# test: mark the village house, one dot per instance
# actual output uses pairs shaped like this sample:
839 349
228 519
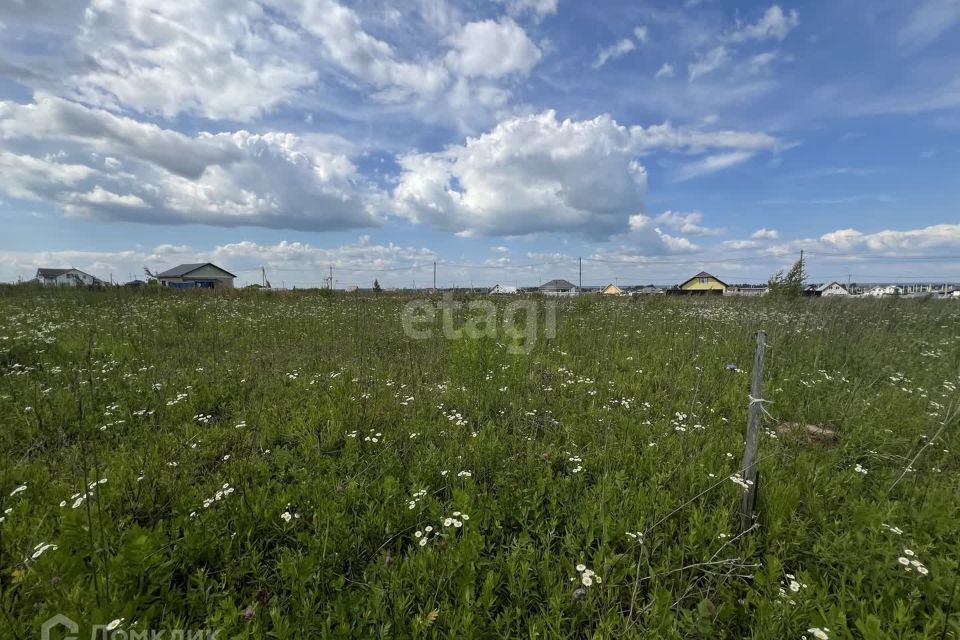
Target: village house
648 290
832 289
883 291
203 275
558 288
611 290
66 278
502 289
703 284
746 290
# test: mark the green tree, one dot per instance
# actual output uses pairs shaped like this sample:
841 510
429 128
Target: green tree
789 285
376 285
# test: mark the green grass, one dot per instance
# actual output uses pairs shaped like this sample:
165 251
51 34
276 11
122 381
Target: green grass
636 389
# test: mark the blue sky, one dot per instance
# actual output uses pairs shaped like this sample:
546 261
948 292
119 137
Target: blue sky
501 139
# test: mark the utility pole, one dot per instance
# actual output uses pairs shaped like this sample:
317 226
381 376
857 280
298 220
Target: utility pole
580 262
434 275
331 277
263 276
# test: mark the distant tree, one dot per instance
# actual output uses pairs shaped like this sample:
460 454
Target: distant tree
376 285
789 285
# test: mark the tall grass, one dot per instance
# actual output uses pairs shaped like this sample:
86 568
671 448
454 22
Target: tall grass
322 440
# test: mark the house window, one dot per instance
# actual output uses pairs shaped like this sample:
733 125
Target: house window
703 280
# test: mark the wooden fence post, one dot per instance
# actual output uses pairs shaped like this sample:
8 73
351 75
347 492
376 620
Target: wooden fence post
753 436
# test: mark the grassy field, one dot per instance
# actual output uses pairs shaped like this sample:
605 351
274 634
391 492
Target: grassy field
294 465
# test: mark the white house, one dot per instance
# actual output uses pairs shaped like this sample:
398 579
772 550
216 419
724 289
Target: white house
883 290
832 289
502 289
66 277
204 275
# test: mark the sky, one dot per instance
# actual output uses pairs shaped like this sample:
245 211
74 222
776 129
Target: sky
509 141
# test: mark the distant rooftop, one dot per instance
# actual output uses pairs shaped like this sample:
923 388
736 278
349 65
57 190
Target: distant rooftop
183 269
51 273
558 285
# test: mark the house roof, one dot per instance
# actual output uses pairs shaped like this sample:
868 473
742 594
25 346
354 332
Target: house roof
185 269
44 272
827 285
557 285
704 274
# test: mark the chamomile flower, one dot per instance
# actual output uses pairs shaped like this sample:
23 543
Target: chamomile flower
587 576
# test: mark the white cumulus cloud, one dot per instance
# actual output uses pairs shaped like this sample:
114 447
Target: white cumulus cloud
933 237
537 173
94 164
492 49
529 174
218 59
686 223
348 45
